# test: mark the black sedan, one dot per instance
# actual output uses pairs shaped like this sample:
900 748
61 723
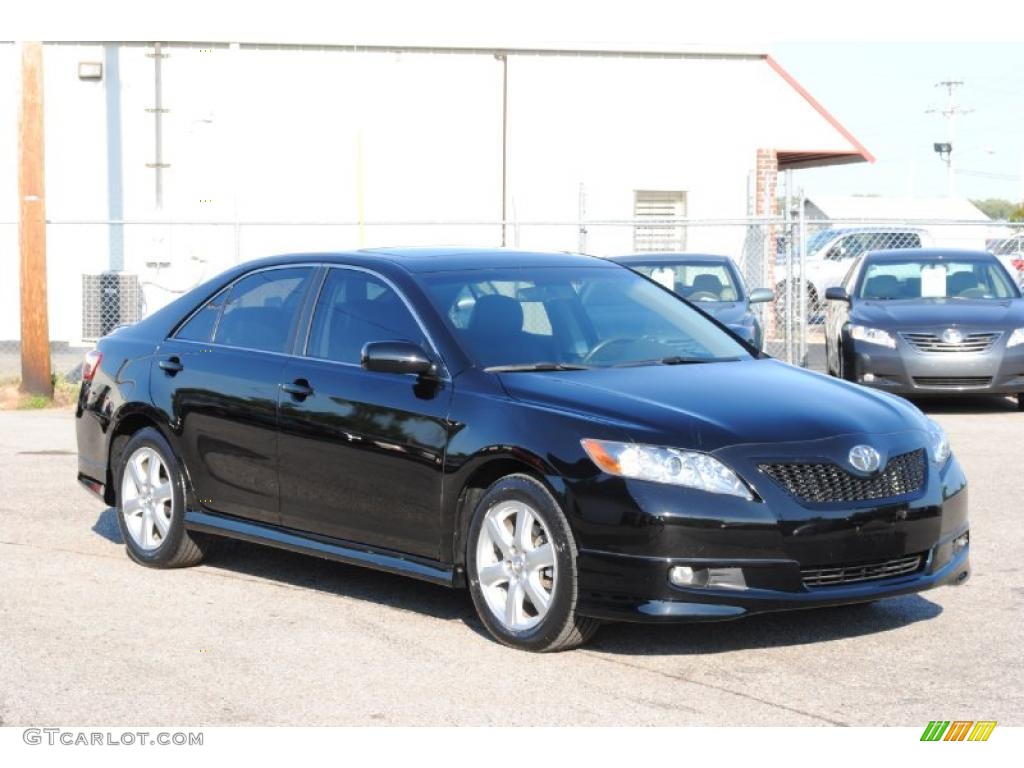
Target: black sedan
926 322
565 438
711 281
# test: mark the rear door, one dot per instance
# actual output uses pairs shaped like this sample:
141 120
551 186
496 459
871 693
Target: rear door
362 452
218 377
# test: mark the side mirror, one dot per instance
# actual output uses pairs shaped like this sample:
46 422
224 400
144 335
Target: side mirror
760 295
837 293
396 357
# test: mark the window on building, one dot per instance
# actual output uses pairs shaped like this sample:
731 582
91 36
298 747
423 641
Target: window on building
663 209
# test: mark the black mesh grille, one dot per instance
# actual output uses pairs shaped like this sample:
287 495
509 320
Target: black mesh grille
828 482
829 575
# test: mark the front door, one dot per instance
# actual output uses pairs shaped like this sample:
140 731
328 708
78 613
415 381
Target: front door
362 452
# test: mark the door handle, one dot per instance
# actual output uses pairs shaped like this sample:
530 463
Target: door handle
171 365
299 389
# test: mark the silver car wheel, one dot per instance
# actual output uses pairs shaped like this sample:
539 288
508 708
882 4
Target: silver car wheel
515 565
147 499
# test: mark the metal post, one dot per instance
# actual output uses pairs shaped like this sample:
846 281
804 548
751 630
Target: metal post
787 229
503 58
802 240
158 111
115 175
583 219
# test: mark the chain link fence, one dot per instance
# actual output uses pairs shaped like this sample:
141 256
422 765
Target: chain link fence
795 257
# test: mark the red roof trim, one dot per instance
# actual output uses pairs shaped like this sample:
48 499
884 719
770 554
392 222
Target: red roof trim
860 148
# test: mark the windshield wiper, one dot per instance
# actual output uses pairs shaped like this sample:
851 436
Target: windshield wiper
536 367
676 360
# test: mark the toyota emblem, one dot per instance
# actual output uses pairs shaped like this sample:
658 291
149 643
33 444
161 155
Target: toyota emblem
952 336
865 458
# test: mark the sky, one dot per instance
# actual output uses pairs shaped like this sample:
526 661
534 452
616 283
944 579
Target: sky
881 92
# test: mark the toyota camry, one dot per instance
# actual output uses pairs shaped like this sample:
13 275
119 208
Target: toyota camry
567 439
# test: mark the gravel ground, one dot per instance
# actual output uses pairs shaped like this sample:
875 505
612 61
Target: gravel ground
258 636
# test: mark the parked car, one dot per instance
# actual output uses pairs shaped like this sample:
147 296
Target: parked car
1010 251
928 321
712 282
829 254
568 440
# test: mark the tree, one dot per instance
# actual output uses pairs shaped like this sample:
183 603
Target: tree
996 207
1017 214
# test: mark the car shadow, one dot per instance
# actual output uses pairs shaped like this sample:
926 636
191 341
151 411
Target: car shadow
789 628
240 559
965 404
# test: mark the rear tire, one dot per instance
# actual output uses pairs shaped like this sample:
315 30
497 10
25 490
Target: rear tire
521 564
1020 401
150 490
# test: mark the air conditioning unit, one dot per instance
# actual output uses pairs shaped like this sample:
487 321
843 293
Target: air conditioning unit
109 300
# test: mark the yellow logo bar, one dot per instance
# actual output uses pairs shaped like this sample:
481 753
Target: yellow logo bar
982 730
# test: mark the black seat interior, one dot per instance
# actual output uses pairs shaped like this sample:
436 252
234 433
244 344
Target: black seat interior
496 328
882 287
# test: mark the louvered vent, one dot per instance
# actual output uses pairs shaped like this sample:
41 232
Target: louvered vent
663 209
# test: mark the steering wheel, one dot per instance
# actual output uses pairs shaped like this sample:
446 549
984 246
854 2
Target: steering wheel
702 296
603 345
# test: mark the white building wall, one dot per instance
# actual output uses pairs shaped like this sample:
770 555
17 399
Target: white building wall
277 135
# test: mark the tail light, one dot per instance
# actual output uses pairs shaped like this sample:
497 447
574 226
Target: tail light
91 364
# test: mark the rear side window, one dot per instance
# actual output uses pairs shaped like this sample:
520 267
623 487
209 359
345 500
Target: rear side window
355 308
201 325
261 309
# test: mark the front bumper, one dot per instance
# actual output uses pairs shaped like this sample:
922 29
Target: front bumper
632 533
904 370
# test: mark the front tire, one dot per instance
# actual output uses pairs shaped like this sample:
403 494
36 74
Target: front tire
521 562
151 504
1020 401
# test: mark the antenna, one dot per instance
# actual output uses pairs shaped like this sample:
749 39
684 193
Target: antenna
950 112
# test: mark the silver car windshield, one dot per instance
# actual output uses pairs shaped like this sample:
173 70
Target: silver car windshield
916 279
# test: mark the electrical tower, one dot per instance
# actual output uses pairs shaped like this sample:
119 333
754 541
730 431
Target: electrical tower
950 112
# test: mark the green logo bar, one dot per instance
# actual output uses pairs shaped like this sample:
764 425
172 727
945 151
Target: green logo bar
934 730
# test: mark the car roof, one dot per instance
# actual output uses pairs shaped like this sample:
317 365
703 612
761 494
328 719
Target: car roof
939 254
443 259
669 258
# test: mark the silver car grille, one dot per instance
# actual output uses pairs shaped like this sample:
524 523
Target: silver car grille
980 341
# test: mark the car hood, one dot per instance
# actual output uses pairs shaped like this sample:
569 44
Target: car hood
716 405
987 314
727 312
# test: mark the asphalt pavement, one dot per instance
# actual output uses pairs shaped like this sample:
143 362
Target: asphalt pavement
262 637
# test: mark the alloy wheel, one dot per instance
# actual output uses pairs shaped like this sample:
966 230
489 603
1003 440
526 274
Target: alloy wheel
147 499
515 564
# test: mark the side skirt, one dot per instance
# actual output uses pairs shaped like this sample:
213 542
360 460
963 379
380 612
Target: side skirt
322 546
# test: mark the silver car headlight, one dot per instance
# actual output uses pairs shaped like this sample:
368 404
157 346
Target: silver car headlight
1017 337
938 443
873 336
666 465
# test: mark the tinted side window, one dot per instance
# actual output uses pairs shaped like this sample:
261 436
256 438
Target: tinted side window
355 308
261 309
200 326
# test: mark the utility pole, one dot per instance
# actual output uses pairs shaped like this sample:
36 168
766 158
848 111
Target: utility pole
950 112
35 329
503 58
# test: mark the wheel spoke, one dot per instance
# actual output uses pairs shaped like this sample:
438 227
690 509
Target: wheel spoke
499 535
492 575
146 533
155 466
163 524
524 528
132 507
135 470
541 557
514 604
537 594
162 493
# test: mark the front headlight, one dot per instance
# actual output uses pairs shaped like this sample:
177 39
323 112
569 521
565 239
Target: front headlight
1017 337
938 443
873 336
666 465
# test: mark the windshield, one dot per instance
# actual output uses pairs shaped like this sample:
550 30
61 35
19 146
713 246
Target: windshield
934 279
819 240
695 280
573 317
